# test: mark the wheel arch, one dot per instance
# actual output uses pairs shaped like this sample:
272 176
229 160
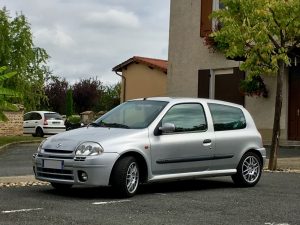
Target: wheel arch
258 153
141 163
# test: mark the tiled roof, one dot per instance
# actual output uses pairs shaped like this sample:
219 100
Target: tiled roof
155 63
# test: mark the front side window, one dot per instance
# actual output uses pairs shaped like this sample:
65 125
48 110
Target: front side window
131 115
227 117
186 117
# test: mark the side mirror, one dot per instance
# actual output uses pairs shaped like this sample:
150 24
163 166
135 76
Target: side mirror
167 128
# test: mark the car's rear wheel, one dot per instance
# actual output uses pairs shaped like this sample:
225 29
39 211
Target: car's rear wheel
39 132
126 177
61 187
248 171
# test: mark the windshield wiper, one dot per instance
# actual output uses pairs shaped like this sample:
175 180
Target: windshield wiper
94 124
116 125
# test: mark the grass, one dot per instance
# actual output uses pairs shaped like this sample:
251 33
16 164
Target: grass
13 139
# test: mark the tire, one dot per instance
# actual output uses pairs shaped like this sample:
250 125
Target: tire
39 132
125 177
248 171
61 187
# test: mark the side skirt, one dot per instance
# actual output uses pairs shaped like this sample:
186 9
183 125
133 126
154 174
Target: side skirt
179 176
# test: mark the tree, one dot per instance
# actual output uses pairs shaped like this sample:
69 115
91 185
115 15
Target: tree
69 110
86 94
18 52
110 97
264 33
7 95
56 90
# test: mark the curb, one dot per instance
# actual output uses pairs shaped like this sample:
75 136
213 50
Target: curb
3 147
20 181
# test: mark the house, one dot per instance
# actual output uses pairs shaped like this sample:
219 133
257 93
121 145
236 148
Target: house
209 74
142 77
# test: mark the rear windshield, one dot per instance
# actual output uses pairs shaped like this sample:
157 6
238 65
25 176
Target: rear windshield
53 116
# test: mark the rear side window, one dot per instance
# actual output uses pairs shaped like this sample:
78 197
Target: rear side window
35 116
227 117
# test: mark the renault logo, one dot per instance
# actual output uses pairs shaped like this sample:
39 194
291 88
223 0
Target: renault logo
59 145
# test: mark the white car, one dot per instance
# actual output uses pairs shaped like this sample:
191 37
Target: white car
39 123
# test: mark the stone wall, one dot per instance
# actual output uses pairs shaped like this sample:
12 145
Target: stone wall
14 125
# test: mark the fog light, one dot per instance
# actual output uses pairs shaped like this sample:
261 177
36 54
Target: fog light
82 176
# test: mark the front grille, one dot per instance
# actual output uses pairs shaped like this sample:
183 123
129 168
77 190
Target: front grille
55 173
58 151
55 157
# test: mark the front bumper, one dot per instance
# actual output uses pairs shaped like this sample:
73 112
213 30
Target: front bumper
97 168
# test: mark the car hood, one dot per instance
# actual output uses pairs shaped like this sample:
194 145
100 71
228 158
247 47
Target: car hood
69 140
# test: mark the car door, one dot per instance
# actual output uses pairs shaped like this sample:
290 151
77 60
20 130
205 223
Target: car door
189 147
34 121
26 123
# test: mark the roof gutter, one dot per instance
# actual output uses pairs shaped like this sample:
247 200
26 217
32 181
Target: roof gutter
124 84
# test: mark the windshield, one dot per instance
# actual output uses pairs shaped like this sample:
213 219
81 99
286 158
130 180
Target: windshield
131 115
53 116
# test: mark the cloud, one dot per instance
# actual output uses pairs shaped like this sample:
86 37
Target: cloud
56 36
88 38
113 18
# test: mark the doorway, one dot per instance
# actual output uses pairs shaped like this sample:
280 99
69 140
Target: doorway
294 104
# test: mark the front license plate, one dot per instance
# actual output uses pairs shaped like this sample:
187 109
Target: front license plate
53 164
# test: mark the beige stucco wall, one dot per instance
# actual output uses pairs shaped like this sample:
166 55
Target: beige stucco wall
142 81
188 54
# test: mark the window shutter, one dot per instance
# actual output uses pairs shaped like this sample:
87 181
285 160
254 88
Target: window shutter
227 87
206 10
203 83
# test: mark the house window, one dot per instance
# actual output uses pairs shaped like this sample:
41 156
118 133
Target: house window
206 24
221 84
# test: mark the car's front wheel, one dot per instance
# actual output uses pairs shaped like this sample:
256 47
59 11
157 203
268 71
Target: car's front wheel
248 171
126 177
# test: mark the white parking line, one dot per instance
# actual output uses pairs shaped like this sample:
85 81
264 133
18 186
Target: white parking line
160 194
21 210
110 202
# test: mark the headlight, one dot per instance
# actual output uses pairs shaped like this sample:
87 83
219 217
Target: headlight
88 149
41 146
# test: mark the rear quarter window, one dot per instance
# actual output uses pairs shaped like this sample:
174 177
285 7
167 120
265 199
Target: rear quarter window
227 117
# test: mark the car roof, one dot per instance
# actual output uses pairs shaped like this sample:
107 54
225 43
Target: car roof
175 100
42 112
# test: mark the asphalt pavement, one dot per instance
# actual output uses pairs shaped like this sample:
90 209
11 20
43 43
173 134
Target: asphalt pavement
273 201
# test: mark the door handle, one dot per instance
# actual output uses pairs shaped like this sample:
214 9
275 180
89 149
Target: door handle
298 112
207 141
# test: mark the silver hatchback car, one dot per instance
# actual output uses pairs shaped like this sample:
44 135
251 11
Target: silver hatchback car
155 139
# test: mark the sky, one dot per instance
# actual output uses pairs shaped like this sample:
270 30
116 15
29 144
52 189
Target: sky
87 38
